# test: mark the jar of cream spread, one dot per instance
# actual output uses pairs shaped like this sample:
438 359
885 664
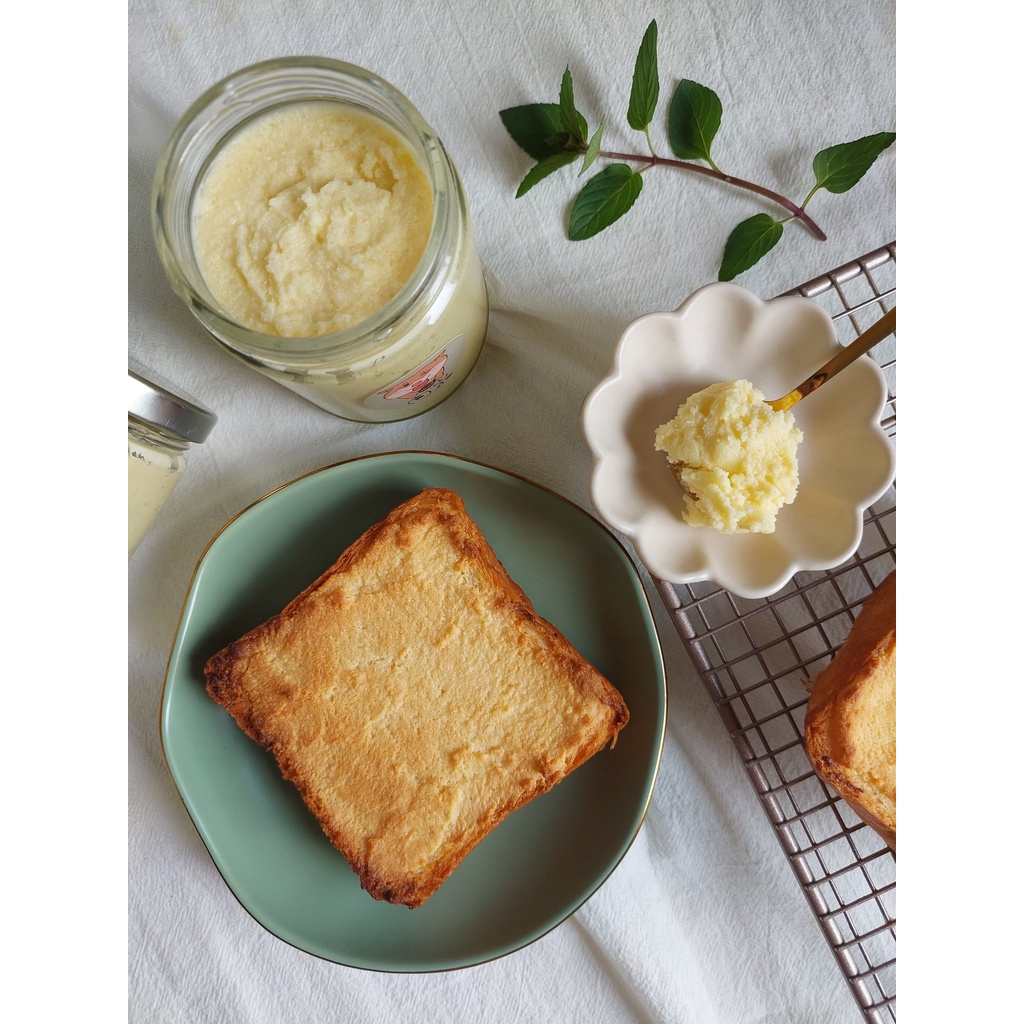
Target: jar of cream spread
162 425
317 228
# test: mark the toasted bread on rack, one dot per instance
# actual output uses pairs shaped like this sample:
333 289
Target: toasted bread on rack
415 698
850 725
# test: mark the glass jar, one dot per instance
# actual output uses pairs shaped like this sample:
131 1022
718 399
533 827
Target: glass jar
162 426
414 351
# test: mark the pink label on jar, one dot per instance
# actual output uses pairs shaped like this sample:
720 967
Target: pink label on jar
425 382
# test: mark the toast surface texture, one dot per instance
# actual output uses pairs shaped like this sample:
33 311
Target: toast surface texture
850 725
415 698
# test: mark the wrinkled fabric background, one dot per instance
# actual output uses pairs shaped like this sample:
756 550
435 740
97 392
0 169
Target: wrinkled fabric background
703 921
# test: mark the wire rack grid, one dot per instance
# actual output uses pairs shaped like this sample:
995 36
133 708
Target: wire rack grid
755 658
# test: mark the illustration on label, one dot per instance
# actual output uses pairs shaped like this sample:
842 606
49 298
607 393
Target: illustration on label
426 380
421 382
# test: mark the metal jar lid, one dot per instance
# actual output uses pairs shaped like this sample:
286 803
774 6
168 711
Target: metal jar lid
159 406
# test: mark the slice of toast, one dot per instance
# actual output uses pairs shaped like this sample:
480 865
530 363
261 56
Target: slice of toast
415 698
850 724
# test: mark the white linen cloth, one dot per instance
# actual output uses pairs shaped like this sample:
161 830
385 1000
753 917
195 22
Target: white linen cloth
703 921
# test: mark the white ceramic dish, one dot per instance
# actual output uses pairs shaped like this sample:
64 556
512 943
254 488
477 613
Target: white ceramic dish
723 332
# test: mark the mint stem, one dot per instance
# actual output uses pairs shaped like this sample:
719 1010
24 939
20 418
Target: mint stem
798 212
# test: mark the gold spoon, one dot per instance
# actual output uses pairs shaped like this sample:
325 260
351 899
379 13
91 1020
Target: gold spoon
878 331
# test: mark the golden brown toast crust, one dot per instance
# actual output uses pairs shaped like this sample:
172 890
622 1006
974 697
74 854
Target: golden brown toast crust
415 698
850 725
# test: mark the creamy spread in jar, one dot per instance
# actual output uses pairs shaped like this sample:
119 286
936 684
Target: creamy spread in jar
311 219
733 456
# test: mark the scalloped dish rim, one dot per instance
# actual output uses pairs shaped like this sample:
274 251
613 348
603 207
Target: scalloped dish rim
724 332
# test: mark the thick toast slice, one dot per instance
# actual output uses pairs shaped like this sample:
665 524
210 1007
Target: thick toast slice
415 698
850 725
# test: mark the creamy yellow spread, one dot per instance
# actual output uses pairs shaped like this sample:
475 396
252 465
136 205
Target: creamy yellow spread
734 457
151 478
310 220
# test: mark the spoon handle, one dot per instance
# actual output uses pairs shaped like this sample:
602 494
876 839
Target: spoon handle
878 331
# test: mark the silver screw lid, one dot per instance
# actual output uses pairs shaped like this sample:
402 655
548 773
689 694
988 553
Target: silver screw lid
156 403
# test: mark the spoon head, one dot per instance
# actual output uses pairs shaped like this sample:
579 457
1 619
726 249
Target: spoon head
786 402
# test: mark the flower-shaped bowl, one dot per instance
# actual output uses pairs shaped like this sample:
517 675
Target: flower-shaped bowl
723 332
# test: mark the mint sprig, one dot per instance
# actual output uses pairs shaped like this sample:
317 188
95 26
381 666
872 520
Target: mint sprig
557 134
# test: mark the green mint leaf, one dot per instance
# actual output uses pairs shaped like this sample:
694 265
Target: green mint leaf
643 97
603 200
533 126
572 120
694 117
594 149
748 243
542 169
838 168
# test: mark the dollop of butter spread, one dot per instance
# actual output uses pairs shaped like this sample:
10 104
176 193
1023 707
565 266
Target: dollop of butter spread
733 456
310 220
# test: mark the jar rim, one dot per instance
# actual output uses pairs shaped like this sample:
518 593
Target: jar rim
436 163
158 405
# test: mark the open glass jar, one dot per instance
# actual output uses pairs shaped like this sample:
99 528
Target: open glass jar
421 344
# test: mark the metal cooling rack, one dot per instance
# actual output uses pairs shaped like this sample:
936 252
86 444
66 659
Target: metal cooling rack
755 656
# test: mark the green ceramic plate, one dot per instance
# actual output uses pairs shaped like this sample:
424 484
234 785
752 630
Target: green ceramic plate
542 862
